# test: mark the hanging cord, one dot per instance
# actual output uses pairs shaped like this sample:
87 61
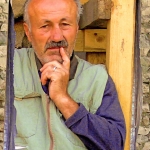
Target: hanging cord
10 112
137 87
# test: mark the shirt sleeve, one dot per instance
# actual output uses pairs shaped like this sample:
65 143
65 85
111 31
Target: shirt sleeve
104 130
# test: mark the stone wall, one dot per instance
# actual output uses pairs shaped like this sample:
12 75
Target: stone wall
3 53
143 140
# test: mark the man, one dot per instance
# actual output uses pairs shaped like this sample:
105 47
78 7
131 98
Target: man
62 101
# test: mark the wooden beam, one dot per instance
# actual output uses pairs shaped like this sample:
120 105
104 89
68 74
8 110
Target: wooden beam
95 14
95 40
96 57
84 1
79 46
119 55
91 40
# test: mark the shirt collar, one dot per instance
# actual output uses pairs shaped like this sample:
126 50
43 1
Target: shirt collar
73 65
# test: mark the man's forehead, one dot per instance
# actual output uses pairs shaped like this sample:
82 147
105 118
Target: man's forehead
51 1
52 7
51 4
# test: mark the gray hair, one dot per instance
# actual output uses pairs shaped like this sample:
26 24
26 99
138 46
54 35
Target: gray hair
26 15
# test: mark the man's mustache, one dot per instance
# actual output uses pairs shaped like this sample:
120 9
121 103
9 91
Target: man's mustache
53 44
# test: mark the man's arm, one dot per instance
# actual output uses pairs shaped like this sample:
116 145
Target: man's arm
58 84
104 130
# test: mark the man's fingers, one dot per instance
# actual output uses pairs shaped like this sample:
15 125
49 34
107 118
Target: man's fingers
51 65
51 72
44 79
65 58
52 69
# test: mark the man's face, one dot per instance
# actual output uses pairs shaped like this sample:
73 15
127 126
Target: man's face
52 21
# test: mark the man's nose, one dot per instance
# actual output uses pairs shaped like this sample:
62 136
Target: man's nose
56 34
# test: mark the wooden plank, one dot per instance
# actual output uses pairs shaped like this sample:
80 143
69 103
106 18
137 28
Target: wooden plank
91 40
84 1
20 34
95 40
95 14
79 46
96 57
119 55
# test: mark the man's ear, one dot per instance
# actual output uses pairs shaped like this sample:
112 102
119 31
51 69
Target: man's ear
27 31
78 28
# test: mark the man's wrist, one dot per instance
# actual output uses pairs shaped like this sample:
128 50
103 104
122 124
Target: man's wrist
67 106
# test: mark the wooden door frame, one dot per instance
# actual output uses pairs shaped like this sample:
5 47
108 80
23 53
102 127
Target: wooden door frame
120 55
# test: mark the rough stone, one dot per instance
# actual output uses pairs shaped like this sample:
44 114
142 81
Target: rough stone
3 61
2 84
3 20
2 72
1 126
145 3
146 120
2 104
3 51
145 12
146 74
145 107
146 98
5 6
148 54
144 43
146 77
2 95
143 131
3 1
1 146
145 61
2 112
146 88
4 27
139 146
3 38
1 136
146 146
145 51
142 139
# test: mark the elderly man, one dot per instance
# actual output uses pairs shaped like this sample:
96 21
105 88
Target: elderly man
62 101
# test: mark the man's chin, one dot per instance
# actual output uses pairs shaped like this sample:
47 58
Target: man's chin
53 58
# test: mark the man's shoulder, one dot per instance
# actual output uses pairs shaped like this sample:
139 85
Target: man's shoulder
23 54
22 50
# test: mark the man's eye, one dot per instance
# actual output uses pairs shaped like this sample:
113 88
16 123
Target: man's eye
65 24
45 26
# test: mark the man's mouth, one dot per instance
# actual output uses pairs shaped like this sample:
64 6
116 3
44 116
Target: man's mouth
53 48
